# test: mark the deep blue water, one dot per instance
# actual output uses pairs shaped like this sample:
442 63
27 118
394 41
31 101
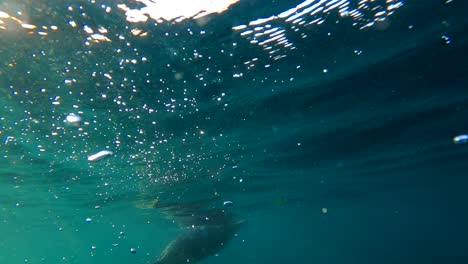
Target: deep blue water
333 135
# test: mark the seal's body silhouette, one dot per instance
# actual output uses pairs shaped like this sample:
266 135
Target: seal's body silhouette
197 243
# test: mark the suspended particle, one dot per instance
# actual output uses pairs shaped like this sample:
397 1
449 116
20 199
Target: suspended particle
228 203
460 139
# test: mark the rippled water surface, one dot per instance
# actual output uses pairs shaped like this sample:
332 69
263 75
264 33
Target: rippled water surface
335 131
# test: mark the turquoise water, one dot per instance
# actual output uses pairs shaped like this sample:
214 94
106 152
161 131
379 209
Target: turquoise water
330 134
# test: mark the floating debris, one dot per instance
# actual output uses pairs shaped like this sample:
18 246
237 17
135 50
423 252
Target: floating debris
89 219
73 119
228 203
324 210
460 139
133 250
100 155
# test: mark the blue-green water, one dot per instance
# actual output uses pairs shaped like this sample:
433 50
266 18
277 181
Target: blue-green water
331 132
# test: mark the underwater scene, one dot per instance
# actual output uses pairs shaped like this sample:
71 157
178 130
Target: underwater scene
233 131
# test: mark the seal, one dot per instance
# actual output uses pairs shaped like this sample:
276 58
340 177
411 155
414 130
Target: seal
198 242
